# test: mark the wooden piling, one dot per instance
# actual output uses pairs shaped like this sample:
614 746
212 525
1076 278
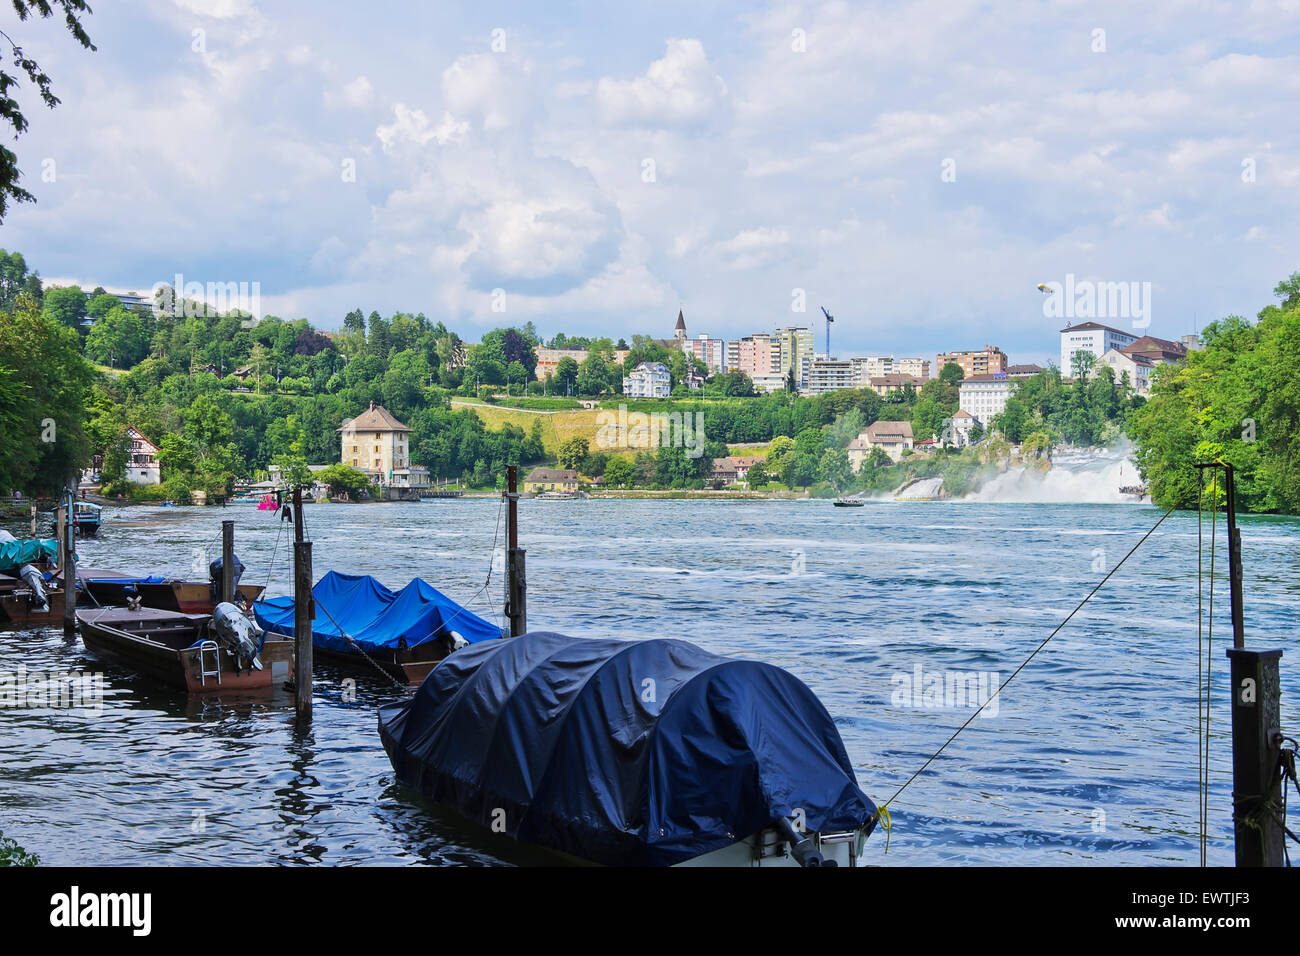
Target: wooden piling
68 563
34 529
304 611
1256 746
1256 722
227 560
516 581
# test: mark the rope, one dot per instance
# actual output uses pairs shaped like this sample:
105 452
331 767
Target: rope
1201 756
1209 668
882 811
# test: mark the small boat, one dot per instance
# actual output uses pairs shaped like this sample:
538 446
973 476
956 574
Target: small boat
268 503
632 753
15 552
186 651
363 624
19 603
103 588
558 495
848 502
87 517
188 597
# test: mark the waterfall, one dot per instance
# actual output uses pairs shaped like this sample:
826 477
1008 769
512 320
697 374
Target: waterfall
1092 476
924 488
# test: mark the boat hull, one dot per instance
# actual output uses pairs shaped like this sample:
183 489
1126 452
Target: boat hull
408 667
189 597
144 641
16 608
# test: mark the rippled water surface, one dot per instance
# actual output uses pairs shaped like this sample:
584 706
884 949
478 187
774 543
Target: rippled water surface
1090 758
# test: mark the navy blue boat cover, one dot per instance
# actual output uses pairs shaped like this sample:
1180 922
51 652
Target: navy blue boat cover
374 616
622 752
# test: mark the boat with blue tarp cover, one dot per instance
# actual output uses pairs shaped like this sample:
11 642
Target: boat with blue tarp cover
650 752
405 633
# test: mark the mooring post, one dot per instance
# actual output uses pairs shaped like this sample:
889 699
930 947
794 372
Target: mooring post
304 611
227 560
1256 722
1256 746
516 583
297 515
34 520
68 562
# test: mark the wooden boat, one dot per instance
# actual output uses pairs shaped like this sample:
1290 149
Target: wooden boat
180 650
87 517
188 597
16 603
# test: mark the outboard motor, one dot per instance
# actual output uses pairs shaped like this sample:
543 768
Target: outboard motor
238 634
40 602
214 576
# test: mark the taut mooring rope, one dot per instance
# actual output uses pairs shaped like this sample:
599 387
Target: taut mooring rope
885 807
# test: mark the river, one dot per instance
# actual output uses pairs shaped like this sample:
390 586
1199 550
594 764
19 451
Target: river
1090 757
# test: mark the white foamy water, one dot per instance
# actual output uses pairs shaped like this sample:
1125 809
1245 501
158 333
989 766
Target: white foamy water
1094 477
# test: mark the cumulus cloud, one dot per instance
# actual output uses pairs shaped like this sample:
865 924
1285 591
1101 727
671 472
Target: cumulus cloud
680 88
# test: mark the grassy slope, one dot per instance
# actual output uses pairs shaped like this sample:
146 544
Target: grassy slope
559 427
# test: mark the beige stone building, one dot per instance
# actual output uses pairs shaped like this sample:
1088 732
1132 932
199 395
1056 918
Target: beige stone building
379 445
894 437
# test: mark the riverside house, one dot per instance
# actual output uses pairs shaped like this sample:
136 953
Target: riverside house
550 479
893 437
378 444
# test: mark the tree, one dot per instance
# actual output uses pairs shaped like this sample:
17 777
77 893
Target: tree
343 479
834 468
572 452
565 379
619 473
118 338
66 304
9 108
45 379
951 374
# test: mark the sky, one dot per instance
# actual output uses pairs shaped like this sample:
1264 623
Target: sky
917 168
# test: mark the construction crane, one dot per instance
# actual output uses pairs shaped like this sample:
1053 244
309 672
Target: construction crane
829 319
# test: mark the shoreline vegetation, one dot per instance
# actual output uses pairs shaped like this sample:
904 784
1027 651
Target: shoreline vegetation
11 854
228 396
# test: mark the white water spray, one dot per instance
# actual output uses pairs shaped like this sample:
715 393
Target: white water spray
1093 476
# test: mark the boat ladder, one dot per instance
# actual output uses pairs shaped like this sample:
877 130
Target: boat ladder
204 673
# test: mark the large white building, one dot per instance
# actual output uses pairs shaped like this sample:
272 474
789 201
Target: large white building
1090 337
983 396
648 380
820 374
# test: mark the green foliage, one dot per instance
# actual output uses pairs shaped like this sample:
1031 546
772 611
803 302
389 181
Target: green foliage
11 854
572 452
10 110
1085 412
44 382
1238 400
66 305
118 338
343 479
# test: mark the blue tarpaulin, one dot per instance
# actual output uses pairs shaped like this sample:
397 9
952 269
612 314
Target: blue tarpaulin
622 752
14 554
374 616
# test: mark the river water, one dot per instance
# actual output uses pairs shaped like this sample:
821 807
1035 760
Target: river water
1089 756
